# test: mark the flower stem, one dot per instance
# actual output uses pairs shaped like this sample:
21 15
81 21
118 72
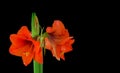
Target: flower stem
38 68
35 28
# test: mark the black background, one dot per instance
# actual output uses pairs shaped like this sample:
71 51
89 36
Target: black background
78 17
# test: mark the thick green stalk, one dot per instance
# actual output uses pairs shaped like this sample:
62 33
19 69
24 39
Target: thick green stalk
35 28
38 68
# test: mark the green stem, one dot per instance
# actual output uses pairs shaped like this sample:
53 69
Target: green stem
38 68
35 28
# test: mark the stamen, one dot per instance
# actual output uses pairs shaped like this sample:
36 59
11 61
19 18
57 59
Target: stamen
26 53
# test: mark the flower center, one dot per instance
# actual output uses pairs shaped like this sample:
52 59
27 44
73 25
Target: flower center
26 53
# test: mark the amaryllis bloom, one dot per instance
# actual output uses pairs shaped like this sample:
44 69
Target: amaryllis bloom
58 40
24 46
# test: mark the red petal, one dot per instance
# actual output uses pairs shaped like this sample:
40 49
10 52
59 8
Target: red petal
16 51
62 57
38 56
17 40
47 44
27 59
57 28
24 32
64 40
58 25
37 52
58 52
27 55
49 30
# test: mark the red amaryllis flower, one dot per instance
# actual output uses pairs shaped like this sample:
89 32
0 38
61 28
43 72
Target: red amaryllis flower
58 40
23 45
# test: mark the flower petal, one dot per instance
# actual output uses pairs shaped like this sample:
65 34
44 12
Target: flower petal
67 47
24 32
58 25
50 45
49 30
47 44
16 51
37 52
27 55
27 58
62 56
38 56
17 40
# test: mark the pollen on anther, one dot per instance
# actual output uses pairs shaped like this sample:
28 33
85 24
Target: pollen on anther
26 53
